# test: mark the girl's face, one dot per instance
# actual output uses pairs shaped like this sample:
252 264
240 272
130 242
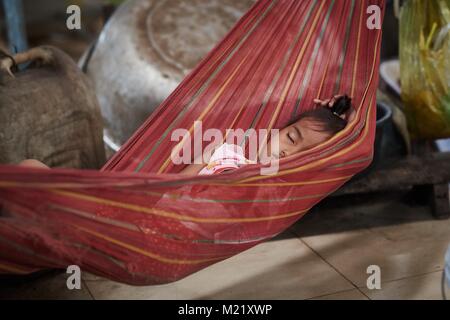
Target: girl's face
300 136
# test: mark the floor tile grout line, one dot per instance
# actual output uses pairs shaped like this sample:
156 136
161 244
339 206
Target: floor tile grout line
410 277
337 292
333 267
88 289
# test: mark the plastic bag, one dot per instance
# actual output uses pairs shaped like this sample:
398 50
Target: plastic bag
425 67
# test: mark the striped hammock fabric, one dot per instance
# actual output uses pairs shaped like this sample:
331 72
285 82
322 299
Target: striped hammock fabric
136 221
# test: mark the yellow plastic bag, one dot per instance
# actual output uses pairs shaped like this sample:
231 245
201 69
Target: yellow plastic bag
425 67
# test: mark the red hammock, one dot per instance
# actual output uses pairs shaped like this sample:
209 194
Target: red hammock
138 222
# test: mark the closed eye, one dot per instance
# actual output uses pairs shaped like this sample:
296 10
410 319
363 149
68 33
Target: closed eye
299 133
290 138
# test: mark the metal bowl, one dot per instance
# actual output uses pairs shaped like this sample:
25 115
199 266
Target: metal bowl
146 49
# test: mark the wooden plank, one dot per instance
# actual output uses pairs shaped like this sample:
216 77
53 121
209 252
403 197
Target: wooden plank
414 170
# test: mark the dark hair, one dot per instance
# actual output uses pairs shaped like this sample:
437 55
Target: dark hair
328 117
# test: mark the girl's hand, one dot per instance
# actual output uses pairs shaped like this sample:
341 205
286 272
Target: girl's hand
329 103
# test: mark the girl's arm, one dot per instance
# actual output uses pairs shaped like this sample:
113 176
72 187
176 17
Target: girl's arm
193 169
198 164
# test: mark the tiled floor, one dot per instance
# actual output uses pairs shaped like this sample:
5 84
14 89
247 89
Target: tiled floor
323 256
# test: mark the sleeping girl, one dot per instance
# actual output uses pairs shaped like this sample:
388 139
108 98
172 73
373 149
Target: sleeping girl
307 131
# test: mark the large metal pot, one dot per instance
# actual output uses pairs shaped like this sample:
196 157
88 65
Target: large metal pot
146 49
